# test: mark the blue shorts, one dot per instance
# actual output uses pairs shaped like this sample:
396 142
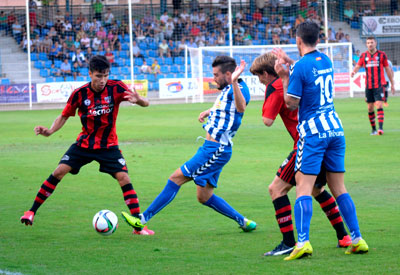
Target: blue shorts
206 165
328 147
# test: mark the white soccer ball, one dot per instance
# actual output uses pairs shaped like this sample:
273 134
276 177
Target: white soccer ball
105 222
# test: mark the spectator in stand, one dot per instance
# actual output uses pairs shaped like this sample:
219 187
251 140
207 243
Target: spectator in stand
164 17
155 68
46 44
299 20
180 49
17 31
36 44
163 49
110 57
77 44
348 13
86 24
173 49
102 33
64 52
194 17
76 71
247 39
10 21
322 37
79 20
85 42
346 38
191 43
108 18
113 41
79 57
185 16
3 22
96 25
68 28
89 54
136 50
339 35
70 42
96 43
54 71
65 68
98 10
276 40
221 39
356 57
52 34
55 51
257 16
331 36
145 68
24 44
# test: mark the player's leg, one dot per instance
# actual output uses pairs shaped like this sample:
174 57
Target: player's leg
379 106
386 88
47 188
278 190
206 196
370 99
328 205
175 181
348 210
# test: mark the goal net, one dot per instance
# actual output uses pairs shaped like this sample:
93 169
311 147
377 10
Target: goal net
201 70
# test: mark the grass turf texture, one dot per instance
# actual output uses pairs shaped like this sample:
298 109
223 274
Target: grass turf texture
190 238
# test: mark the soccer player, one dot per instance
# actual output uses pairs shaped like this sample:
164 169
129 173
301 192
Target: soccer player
321 138
97 103
374 62
274 104
204 168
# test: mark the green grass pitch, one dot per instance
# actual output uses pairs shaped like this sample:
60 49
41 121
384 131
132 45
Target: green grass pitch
190 238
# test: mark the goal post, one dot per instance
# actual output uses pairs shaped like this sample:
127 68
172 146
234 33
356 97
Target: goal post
201 71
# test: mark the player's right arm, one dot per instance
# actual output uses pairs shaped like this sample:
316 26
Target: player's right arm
355 70
57 125
203 115
360 64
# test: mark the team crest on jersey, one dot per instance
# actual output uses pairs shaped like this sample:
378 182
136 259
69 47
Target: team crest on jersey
65 157
315 71
87 102
367 58
107 99
122 161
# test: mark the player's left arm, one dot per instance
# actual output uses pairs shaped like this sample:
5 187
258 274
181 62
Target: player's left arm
390 74
240 101
134 98
291 102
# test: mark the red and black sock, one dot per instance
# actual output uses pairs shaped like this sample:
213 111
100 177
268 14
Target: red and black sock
371 116
45 191
131 199
283 214
328 205
381 117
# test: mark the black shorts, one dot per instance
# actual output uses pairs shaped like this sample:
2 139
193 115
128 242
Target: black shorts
374 94
111 160
286 171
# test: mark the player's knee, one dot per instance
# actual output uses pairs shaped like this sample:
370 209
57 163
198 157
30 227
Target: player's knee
122 178
201 198
316 191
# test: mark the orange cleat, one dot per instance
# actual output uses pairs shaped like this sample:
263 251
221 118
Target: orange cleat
345 242
28 217
144 231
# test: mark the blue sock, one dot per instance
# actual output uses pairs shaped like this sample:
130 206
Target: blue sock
302 215
348 211
163 199
221 206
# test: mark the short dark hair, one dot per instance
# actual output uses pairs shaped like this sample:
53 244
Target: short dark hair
308 31
99 63
371 38
225 63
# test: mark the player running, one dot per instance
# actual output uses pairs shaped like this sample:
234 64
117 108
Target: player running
274 104
204 168
374 62
321 136
97 103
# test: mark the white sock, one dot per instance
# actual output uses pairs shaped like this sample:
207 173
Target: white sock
355 241
142 219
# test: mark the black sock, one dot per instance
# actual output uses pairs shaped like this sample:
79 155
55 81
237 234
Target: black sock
283 214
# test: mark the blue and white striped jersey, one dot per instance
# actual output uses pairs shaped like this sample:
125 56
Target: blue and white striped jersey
224 120
311 80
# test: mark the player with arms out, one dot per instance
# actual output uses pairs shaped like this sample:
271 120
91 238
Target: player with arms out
321 138
374 61
97 103
274 104
204 168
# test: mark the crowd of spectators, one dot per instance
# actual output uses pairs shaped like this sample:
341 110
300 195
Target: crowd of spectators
73 39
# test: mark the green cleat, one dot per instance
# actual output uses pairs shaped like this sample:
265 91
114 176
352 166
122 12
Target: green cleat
132 221
358 248
249 225
301 252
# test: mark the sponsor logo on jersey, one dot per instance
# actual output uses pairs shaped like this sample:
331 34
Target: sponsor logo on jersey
100 112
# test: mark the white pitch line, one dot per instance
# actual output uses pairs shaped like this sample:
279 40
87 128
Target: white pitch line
10 273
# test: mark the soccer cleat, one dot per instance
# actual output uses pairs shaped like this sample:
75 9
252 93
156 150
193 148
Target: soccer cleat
281 249
380 132
144 231
28 217
249 226
299 253
132 221
374 133
358 248
345 242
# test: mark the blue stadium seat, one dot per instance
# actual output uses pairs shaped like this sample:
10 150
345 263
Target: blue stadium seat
149 61
69 78
47 64
155 86
50 79
43 57
5 81
179 60
136 70
160 61
171 75
120 61
180 75
44 73
80 78
182 68
152 53
354 25
138 62
125 46
168 61
57 63
125 71
84 71
140 77
151 78
123 54
174 69
114 70
59 79
153 46
164 69
127 62
34 57
142 45
38 65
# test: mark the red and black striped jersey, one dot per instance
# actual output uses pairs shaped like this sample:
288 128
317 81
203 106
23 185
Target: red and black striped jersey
374 67
274 104
98 113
